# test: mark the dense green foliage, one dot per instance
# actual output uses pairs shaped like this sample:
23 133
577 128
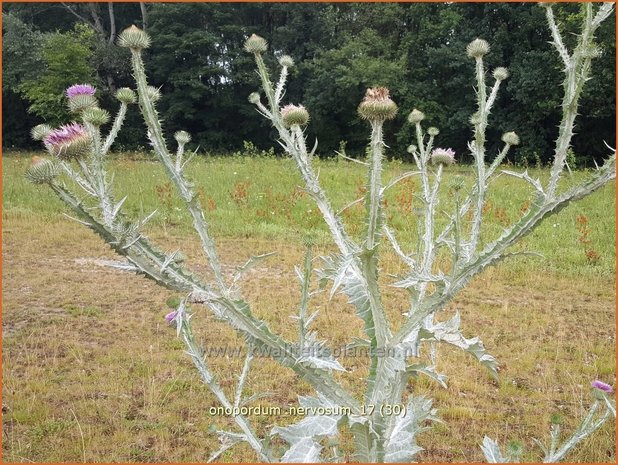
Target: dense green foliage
417 50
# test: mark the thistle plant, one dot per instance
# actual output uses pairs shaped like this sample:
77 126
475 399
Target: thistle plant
385 422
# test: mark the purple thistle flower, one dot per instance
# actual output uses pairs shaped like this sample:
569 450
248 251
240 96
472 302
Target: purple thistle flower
80 89
68 142
65 134
600 385
171 316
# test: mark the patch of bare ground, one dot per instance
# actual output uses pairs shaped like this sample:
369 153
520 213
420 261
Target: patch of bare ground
92 372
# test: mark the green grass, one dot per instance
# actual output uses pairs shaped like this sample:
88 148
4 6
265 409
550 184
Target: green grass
262 198
91 372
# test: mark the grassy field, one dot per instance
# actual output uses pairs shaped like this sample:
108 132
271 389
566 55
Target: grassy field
91 372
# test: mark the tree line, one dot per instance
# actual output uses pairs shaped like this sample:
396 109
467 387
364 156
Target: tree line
417 50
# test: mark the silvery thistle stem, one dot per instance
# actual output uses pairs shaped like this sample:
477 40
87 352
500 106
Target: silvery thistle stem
155 133
478 146
186 332
577 69
117 124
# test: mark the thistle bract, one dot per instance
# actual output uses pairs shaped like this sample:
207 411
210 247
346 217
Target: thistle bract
42 170
440 156
182 137
294 115
286 61
416 116
134 38
153 94
80 102
95 116
477 48
68 142
501 73
510 138
126 95
256 44
40 131
377 105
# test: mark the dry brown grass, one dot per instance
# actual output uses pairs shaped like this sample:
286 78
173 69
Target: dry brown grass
91 371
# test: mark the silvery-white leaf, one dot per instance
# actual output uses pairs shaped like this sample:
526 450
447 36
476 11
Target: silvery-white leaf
428 371
323 363
309 427
401 443
241 270
304 451
449 332
491 450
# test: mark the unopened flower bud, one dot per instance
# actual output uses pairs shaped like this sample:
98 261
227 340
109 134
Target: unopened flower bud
254 98
95 116
441 156
475 119
433 131
501 73
477 48
256 44
42 170
294 115
416 116
377 105
411 148
153 94
134 38
286 61
126 95
182 137
40 131
510 138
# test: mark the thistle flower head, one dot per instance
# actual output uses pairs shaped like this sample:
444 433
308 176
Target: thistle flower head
411 148
601 386
286 61
171 316
68 142
254 98
182 137
80 89
441 156
510 138
81 96
501 73
95 116
477 48
40 131
134 38
433 131
256 44
126 95
294 115
416 116
377 105
42 170
153 94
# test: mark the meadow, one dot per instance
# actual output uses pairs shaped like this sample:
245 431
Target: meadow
91 371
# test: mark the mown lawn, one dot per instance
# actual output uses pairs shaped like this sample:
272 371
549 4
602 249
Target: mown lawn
91 372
